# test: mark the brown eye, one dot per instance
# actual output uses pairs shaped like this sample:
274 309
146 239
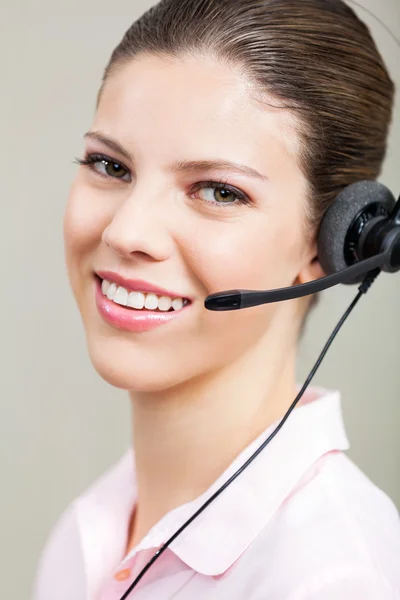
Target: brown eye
108 168
217 194
220 194
112 169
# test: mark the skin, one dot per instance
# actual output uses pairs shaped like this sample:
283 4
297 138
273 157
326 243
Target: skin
204 386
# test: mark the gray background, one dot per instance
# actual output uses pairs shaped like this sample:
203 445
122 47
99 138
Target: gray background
61 425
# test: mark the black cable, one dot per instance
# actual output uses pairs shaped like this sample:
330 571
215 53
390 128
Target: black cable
364 287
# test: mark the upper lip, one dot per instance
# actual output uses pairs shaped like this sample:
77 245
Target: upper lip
138 285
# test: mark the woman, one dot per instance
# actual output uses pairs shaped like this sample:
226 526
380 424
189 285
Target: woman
223 131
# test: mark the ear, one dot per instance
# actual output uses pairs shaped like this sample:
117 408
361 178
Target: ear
312 270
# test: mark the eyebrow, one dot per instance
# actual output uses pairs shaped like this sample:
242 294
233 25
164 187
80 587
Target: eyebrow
183 166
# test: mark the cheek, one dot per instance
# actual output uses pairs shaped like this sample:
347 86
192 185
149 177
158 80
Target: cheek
259 253
82 229
83 224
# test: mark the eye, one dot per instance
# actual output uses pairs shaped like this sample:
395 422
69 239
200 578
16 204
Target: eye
221 194
108 167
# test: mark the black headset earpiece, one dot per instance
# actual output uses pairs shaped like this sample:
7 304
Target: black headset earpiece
359 235
349 231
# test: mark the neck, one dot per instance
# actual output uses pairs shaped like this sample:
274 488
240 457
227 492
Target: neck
184 438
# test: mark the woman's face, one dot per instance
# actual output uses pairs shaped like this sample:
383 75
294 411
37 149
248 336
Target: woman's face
151 218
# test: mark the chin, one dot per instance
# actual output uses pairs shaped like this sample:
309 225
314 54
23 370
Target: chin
130 371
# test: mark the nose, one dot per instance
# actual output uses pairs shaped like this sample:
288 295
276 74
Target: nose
140 225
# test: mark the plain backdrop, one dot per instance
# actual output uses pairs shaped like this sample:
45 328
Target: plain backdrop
61 424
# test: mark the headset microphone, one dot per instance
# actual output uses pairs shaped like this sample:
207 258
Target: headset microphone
359 233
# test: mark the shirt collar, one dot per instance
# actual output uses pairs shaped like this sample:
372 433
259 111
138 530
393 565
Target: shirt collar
221 533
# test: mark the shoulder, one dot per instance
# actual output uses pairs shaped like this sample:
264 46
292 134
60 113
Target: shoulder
62 551
336 535
82 542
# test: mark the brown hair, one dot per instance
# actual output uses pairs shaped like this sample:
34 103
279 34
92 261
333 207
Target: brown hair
315 56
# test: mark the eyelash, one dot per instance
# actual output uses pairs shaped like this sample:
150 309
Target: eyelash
90 160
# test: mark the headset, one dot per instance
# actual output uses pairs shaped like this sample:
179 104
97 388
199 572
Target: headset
358 238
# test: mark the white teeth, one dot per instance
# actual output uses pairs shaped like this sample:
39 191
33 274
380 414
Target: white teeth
104 286
121 296
111 291
177 303
164 303
140 300
136 300
151 301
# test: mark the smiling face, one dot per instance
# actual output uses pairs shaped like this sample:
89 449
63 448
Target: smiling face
147 217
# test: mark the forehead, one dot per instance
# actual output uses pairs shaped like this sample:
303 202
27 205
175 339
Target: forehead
196 102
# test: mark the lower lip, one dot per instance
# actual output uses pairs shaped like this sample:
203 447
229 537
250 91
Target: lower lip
129 319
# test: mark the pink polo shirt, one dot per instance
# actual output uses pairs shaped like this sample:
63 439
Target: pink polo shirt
300 522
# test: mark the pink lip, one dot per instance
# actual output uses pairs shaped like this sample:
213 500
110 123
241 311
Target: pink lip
129 319
138 285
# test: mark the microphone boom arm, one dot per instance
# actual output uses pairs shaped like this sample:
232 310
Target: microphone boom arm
236 299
